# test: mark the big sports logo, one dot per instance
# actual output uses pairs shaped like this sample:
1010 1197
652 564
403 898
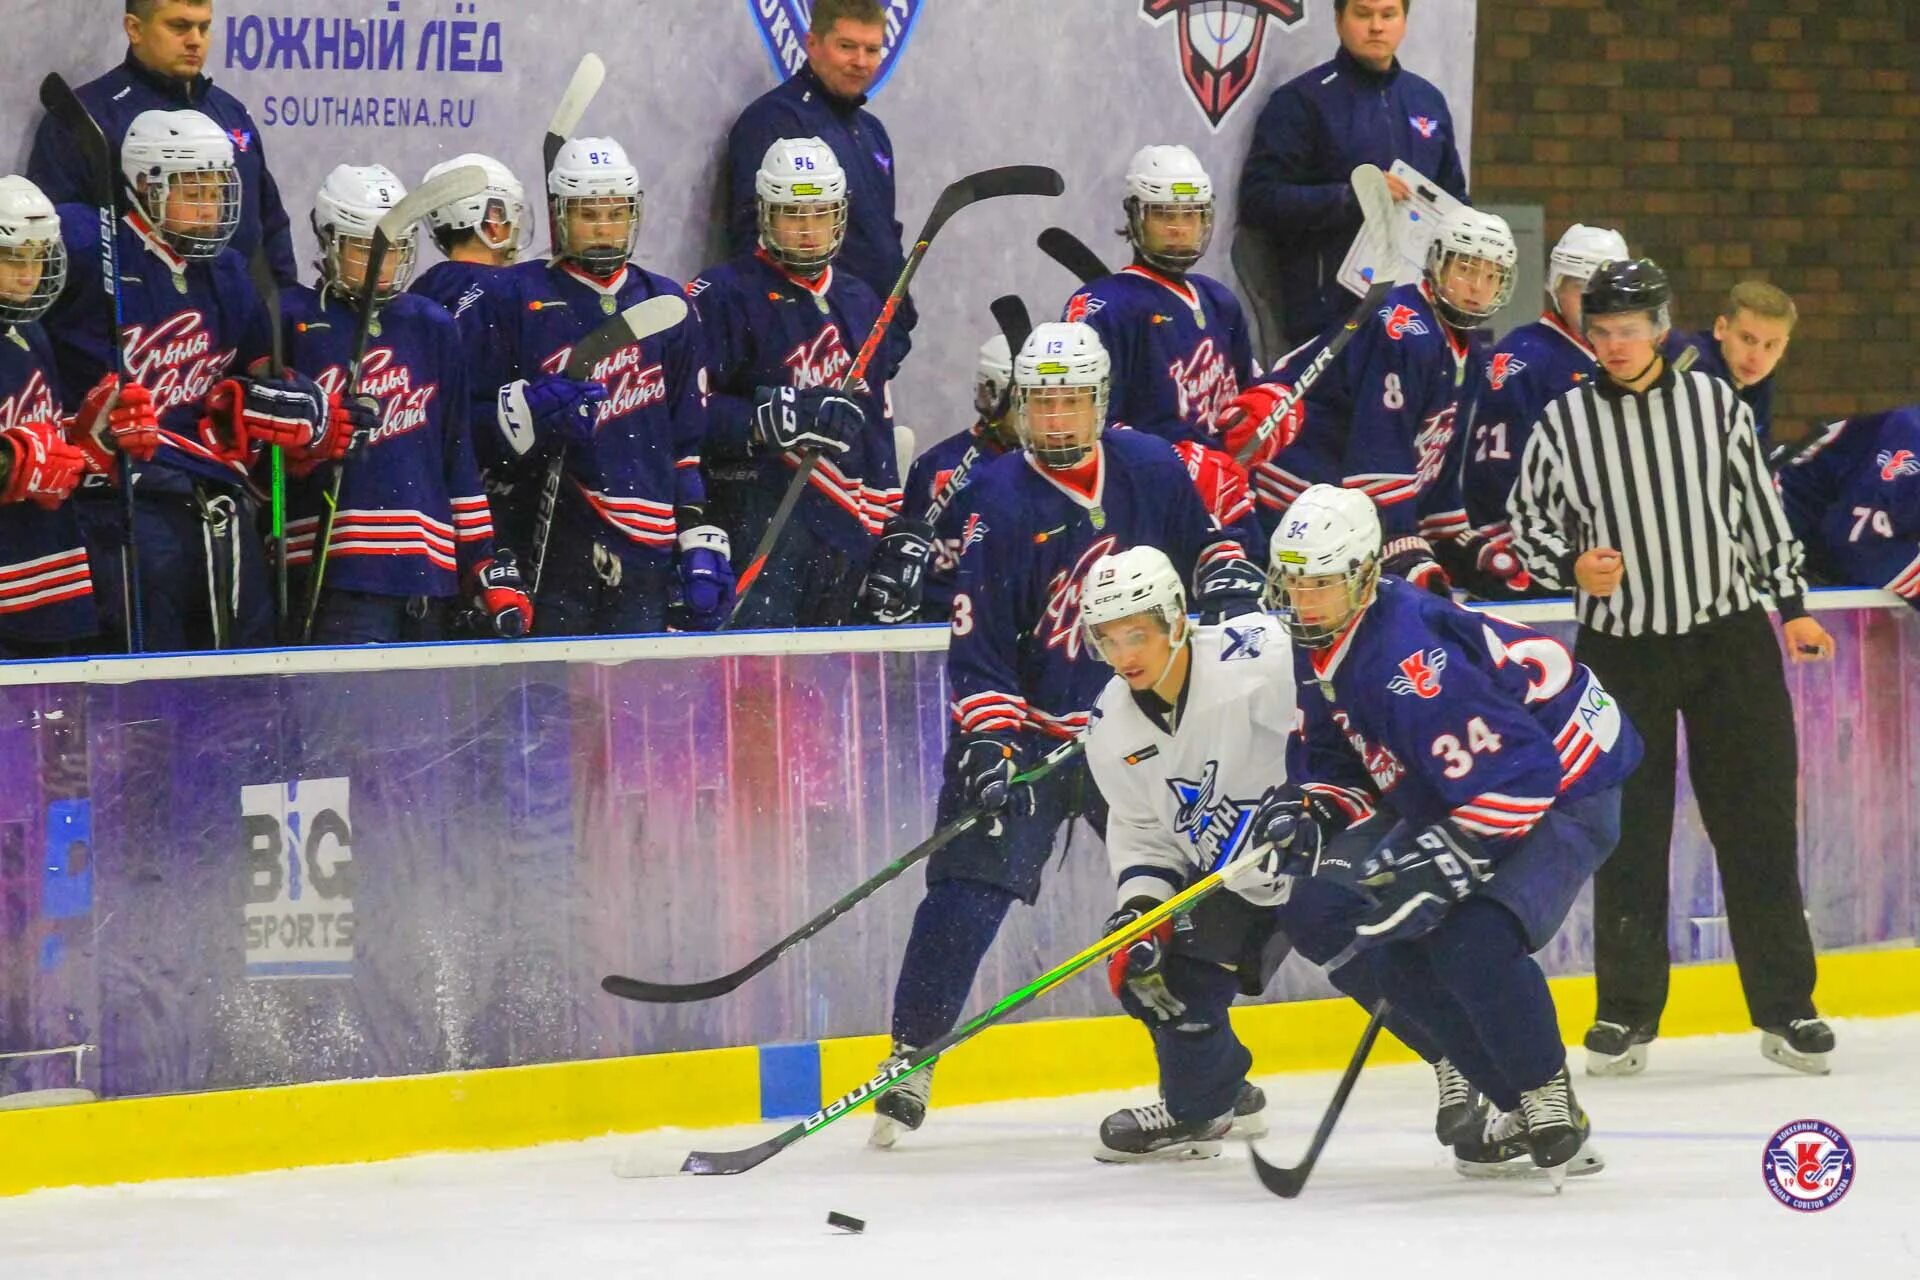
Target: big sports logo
783 25
1220 44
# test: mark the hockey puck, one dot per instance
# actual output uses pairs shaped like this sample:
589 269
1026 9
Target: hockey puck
845 1222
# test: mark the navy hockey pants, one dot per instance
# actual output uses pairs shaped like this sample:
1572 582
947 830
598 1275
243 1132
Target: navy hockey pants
355 617
179 582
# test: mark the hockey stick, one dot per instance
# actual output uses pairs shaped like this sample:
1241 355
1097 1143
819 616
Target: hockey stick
683 993
268 288
636 324
588 76
1071 252
988 184
1376 206
1011 314
455 184
891 1074
1288 1182
104 188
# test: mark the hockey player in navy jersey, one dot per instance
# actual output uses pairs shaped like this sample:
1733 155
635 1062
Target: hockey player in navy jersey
991 435
1744 347
783 325
1502 758
477 235
1853 497
1387 417
195 337
1528 370
46 590
1018 678
630 534
413 530
1178 339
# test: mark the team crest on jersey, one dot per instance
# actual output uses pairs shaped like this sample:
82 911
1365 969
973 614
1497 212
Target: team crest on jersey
1502 367
1895 463
697 286
1430 446
1082 305
975 531
631 383
1425 126
31 403
1419 674
175 360
821 362
1220 44
1205 384
1062 615
242 140
1216 826
1243 643
1401 320
783 26
403 406
1382 765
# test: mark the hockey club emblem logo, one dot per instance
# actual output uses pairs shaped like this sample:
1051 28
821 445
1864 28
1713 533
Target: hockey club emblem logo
1082 305
1808 1165
1062 615
1216 826
1204 383
403 406
975 531
1425 126
1220 44
821 361
1243 643
1420 674
1504 366
175 360
1401 320
1897 463
783 26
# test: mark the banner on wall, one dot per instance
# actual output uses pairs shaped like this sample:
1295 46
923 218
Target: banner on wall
299 879
783 27
1220 42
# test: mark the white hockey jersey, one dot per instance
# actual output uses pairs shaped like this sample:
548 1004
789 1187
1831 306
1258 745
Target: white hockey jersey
1183 804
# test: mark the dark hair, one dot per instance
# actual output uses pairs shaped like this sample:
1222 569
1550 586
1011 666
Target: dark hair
1340 7
828 12
143 9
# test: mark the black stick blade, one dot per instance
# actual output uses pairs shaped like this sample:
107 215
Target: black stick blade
615 984
991 184
1289 1181
1010 313
1071 252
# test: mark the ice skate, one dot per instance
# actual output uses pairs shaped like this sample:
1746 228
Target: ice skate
1614 1049
1462 1114
1802 1045
903 1107
1151 1133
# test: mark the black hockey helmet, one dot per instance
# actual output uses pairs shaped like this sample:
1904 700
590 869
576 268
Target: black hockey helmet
1634 285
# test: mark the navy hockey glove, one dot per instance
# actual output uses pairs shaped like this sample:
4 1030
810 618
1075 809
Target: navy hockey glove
986 769
702 593
817 418
1412 558
897 573
1139 966
560 408
1227 588
1413 887
501 597
288 411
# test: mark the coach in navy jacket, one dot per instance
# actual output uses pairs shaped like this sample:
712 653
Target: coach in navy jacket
825 99
167 43
1360 107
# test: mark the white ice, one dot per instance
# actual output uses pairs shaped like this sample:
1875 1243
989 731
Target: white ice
1007 1191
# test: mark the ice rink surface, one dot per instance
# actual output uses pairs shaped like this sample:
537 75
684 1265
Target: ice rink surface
1009 1191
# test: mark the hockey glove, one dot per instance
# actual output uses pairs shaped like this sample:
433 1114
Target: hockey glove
351 422
1412 558
702 594
986 768
561 409
1413 887
897 573
288 411
818 418
1242 417
1226 588
1218 479
115 417
1139 966
37 464
1495 565
500 597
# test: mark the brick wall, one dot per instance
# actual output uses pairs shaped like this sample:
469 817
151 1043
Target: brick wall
1731 139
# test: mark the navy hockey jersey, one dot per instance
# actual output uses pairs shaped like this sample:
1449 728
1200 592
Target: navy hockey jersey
1708 359
1854 500
645 458
46 591
185 326
1529 369
454 285
1016 659
766 327
1384 418
1450 714
925 479
412 517
1179 347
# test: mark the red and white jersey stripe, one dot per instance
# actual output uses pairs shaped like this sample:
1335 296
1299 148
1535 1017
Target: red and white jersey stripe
44 580
1501 816
990 712
375 533
651 524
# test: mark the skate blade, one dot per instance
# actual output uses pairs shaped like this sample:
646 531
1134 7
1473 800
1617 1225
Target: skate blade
1195 1150
1630 1063
1522 1168
1775 1049
886 1132
1248 1127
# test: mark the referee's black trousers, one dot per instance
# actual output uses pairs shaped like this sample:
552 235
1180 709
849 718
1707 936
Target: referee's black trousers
1726 681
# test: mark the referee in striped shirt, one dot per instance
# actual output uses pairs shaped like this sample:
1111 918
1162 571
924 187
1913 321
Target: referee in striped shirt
1645 492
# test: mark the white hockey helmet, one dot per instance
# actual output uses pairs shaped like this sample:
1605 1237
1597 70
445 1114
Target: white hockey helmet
992 378
504 202
801 180
1471 235
180 166
594 176
33 257
1168 179
346 212
1125 584
1328 539
1060 383
1581 251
